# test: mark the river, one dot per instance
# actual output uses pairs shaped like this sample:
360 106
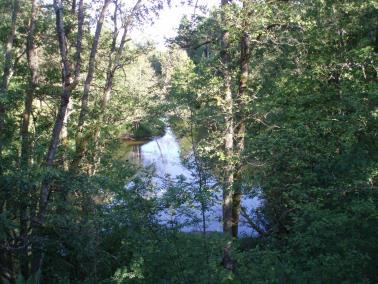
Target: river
163 155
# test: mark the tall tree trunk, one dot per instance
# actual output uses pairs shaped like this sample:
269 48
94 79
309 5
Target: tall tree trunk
64 141
81 141
7 74
33 65
6 259
240 129
229 132
68 83
8 66
73 6
79 37
96 137
228 183
114 63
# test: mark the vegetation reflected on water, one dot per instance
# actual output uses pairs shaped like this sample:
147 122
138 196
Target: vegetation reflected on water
164 157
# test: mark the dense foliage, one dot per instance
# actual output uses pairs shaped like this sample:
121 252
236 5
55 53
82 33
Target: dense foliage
275 99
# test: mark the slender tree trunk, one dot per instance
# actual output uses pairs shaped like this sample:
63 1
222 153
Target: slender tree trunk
79 39
8 66
81 141
96 137
6 258
73 6
7 74
79 36
114 63
33 65
240 129
68 83
229 133
228 183
64 141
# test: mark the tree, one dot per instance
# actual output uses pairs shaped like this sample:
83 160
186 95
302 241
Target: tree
271 99
7 72
80 141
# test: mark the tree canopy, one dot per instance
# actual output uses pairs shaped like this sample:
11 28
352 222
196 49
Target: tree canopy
275 101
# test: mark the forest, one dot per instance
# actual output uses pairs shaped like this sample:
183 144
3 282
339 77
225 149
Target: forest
245 151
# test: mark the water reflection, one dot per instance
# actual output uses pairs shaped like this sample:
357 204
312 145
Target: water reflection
136 153
163 154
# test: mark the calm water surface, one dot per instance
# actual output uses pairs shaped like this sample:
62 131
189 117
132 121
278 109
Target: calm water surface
163 154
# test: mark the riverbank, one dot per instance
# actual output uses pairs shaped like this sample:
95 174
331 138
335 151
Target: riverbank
143 131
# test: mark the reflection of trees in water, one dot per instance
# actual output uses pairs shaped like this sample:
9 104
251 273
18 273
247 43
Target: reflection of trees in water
190 193
136 153
164 160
